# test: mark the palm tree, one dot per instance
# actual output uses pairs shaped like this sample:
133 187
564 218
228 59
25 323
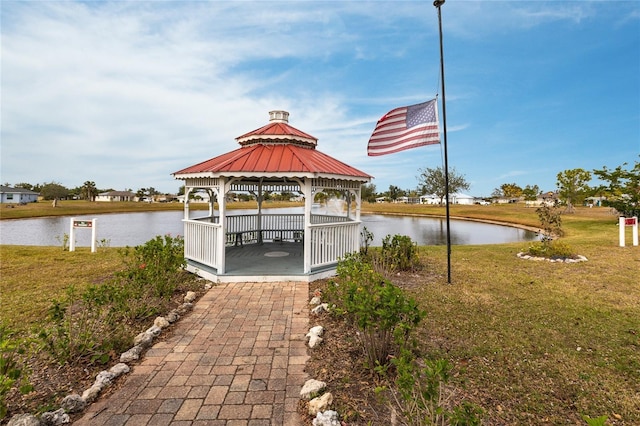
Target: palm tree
89 190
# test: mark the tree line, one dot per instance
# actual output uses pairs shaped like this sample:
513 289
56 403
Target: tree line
88 191
618 187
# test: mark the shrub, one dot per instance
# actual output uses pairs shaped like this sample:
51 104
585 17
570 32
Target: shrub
423 397
399 253
101 320
158 264
84 326
548 247
380 311
550 221
551 250
11 368
366 238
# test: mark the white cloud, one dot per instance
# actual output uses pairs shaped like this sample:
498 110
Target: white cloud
125 93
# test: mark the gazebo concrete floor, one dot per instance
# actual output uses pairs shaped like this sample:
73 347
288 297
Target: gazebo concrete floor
268 262
277 258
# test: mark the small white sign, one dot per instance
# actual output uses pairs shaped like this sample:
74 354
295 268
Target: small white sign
628 221
80 224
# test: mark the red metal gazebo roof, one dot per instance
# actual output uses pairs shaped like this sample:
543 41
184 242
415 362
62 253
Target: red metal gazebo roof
277 148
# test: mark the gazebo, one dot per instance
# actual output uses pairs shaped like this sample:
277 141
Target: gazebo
300 244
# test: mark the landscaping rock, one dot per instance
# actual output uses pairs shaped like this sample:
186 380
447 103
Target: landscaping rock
73 403
323 307
24 420
310 387
143 340
579 258
190 297
55 418
104 378
161 322
315 300
154 331
327 418
173 316
131 355
314 336
119 369
320 403
92 393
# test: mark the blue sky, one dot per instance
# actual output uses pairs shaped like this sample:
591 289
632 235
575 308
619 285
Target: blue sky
125 93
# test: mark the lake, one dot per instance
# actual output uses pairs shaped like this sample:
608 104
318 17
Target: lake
132 229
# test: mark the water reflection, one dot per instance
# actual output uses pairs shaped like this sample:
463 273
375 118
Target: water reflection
131 229
433 231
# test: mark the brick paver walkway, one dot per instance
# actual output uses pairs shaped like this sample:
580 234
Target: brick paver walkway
237 359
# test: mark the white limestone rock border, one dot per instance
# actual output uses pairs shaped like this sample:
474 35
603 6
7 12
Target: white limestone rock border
311 386
314 336
320 403
326 418
75 403
578 259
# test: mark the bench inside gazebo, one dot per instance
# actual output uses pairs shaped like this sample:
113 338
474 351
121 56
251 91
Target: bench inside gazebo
299 246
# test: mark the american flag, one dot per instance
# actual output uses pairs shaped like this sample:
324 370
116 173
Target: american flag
404 128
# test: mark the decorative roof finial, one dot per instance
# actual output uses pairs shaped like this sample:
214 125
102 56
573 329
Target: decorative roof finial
279 116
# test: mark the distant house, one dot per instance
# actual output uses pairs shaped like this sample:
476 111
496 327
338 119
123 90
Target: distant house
116 196
10 195
459 198
429 199
594 201
456 198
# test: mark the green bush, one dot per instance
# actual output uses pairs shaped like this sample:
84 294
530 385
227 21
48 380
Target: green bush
100 321
549 246
423 396
380 311
11 368
551 249
398 253
156 264
84 326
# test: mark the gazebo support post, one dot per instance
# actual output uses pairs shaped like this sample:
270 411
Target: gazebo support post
308 204
187 193
259 199
211 203
222 206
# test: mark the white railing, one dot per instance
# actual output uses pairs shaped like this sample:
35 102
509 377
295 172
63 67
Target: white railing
331 242
200 242
320 218
274 222
244 229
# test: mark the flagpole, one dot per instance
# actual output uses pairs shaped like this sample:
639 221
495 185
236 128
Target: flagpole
438 4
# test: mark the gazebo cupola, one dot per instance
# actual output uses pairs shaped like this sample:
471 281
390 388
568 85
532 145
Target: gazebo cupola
278 131
276 157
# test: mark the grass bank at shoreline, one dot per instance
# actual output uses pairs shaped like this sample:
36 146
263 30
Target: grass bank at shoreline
504 214
531 342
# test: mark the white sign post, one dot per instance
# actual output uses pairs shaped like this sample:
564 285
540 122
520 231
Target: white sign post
82 223
628 221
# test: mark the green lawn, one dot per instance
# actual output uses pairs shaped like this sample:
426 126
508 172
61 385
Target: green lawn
532 342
